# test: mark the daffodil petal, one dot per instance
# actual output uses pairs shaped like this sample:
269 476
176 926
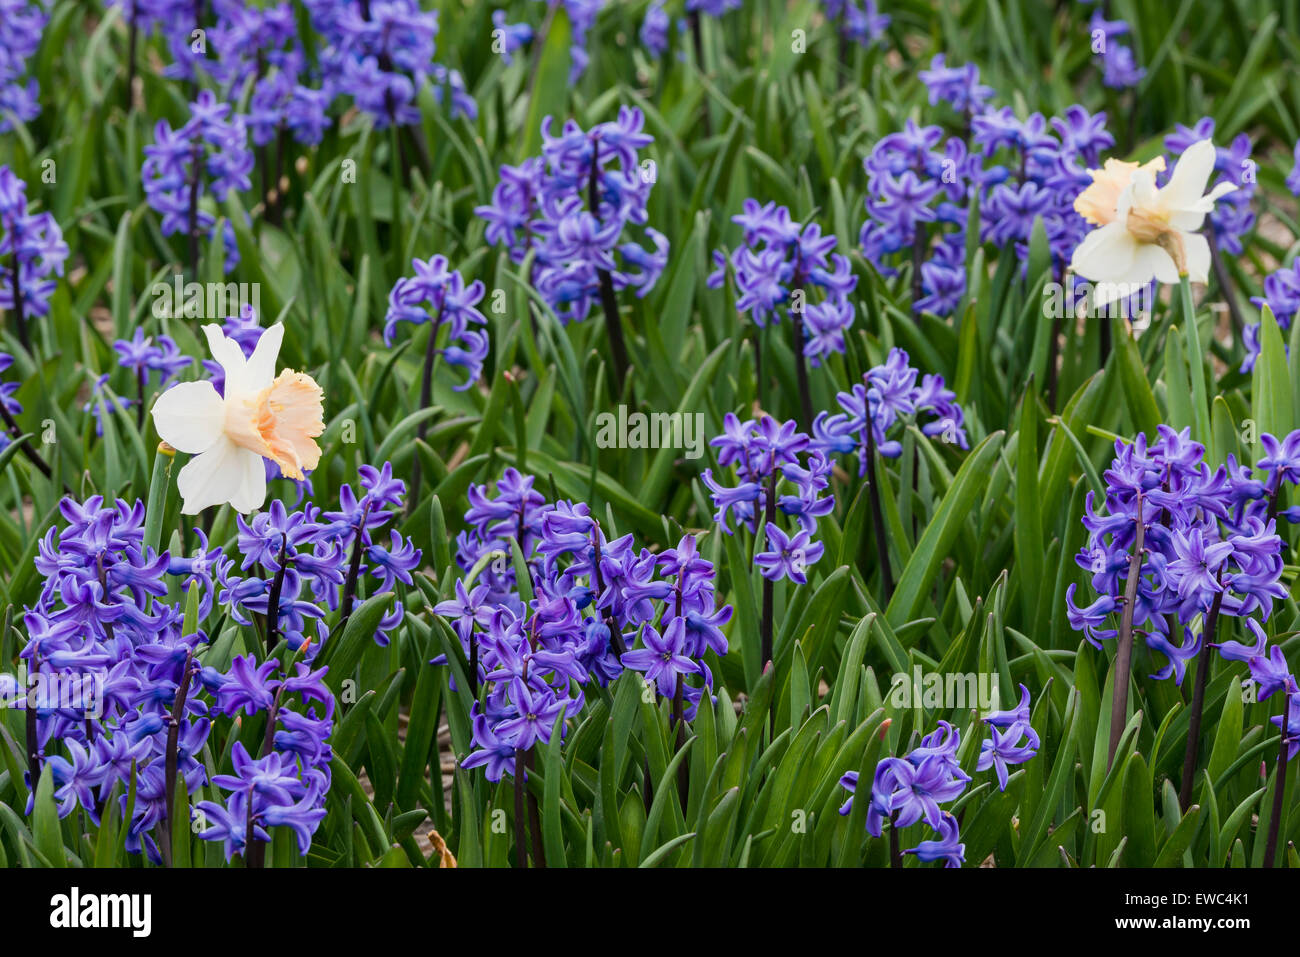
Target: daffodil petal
190 416
227 352
1197 249
1152 262
260 370
1106 254
1191 173
223 474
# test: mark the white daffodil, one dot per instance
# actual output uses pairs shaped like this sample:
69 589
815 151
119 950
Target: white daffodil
260 416
1145 232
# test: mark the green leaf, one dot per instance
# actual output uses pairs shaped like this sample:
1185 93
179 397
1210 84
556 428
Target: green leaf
1271 384
46 833
936 541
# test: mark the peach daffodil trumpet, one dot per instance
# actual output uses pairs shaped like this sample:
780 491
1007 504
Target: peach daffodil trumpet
1146 232
260 416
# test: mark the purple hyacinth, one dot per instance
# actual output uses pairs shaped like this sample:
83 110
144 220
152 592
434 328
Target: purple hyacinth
381 54
21 26
582 16
1119 66
888 394
32 252
959 87
1004 746
1209 540
441 296
858 21
654 29
546 204
778 268
207 157
598 607
103 621
910 789
509 38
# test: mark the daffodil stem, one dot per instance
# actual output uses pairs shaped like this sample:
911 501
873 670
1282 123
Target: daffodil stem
1198 704
1195 360
1124 650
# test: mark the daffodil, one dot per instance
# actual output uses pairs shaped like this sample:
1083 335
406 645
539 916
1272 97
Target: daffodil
1146 232
260 416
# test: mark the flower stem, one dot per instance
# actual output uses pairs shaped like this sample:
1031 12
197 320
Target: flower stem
1054 347
172 758
521 826
608 299
801 371
354 571
767 623
878 517
697 35
1124 652
426 397
918 258
615 636
679 710
33 737
1198 704
1196 361
195 155
273 602
21 319
132 32
1279 788
535 819
33 456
